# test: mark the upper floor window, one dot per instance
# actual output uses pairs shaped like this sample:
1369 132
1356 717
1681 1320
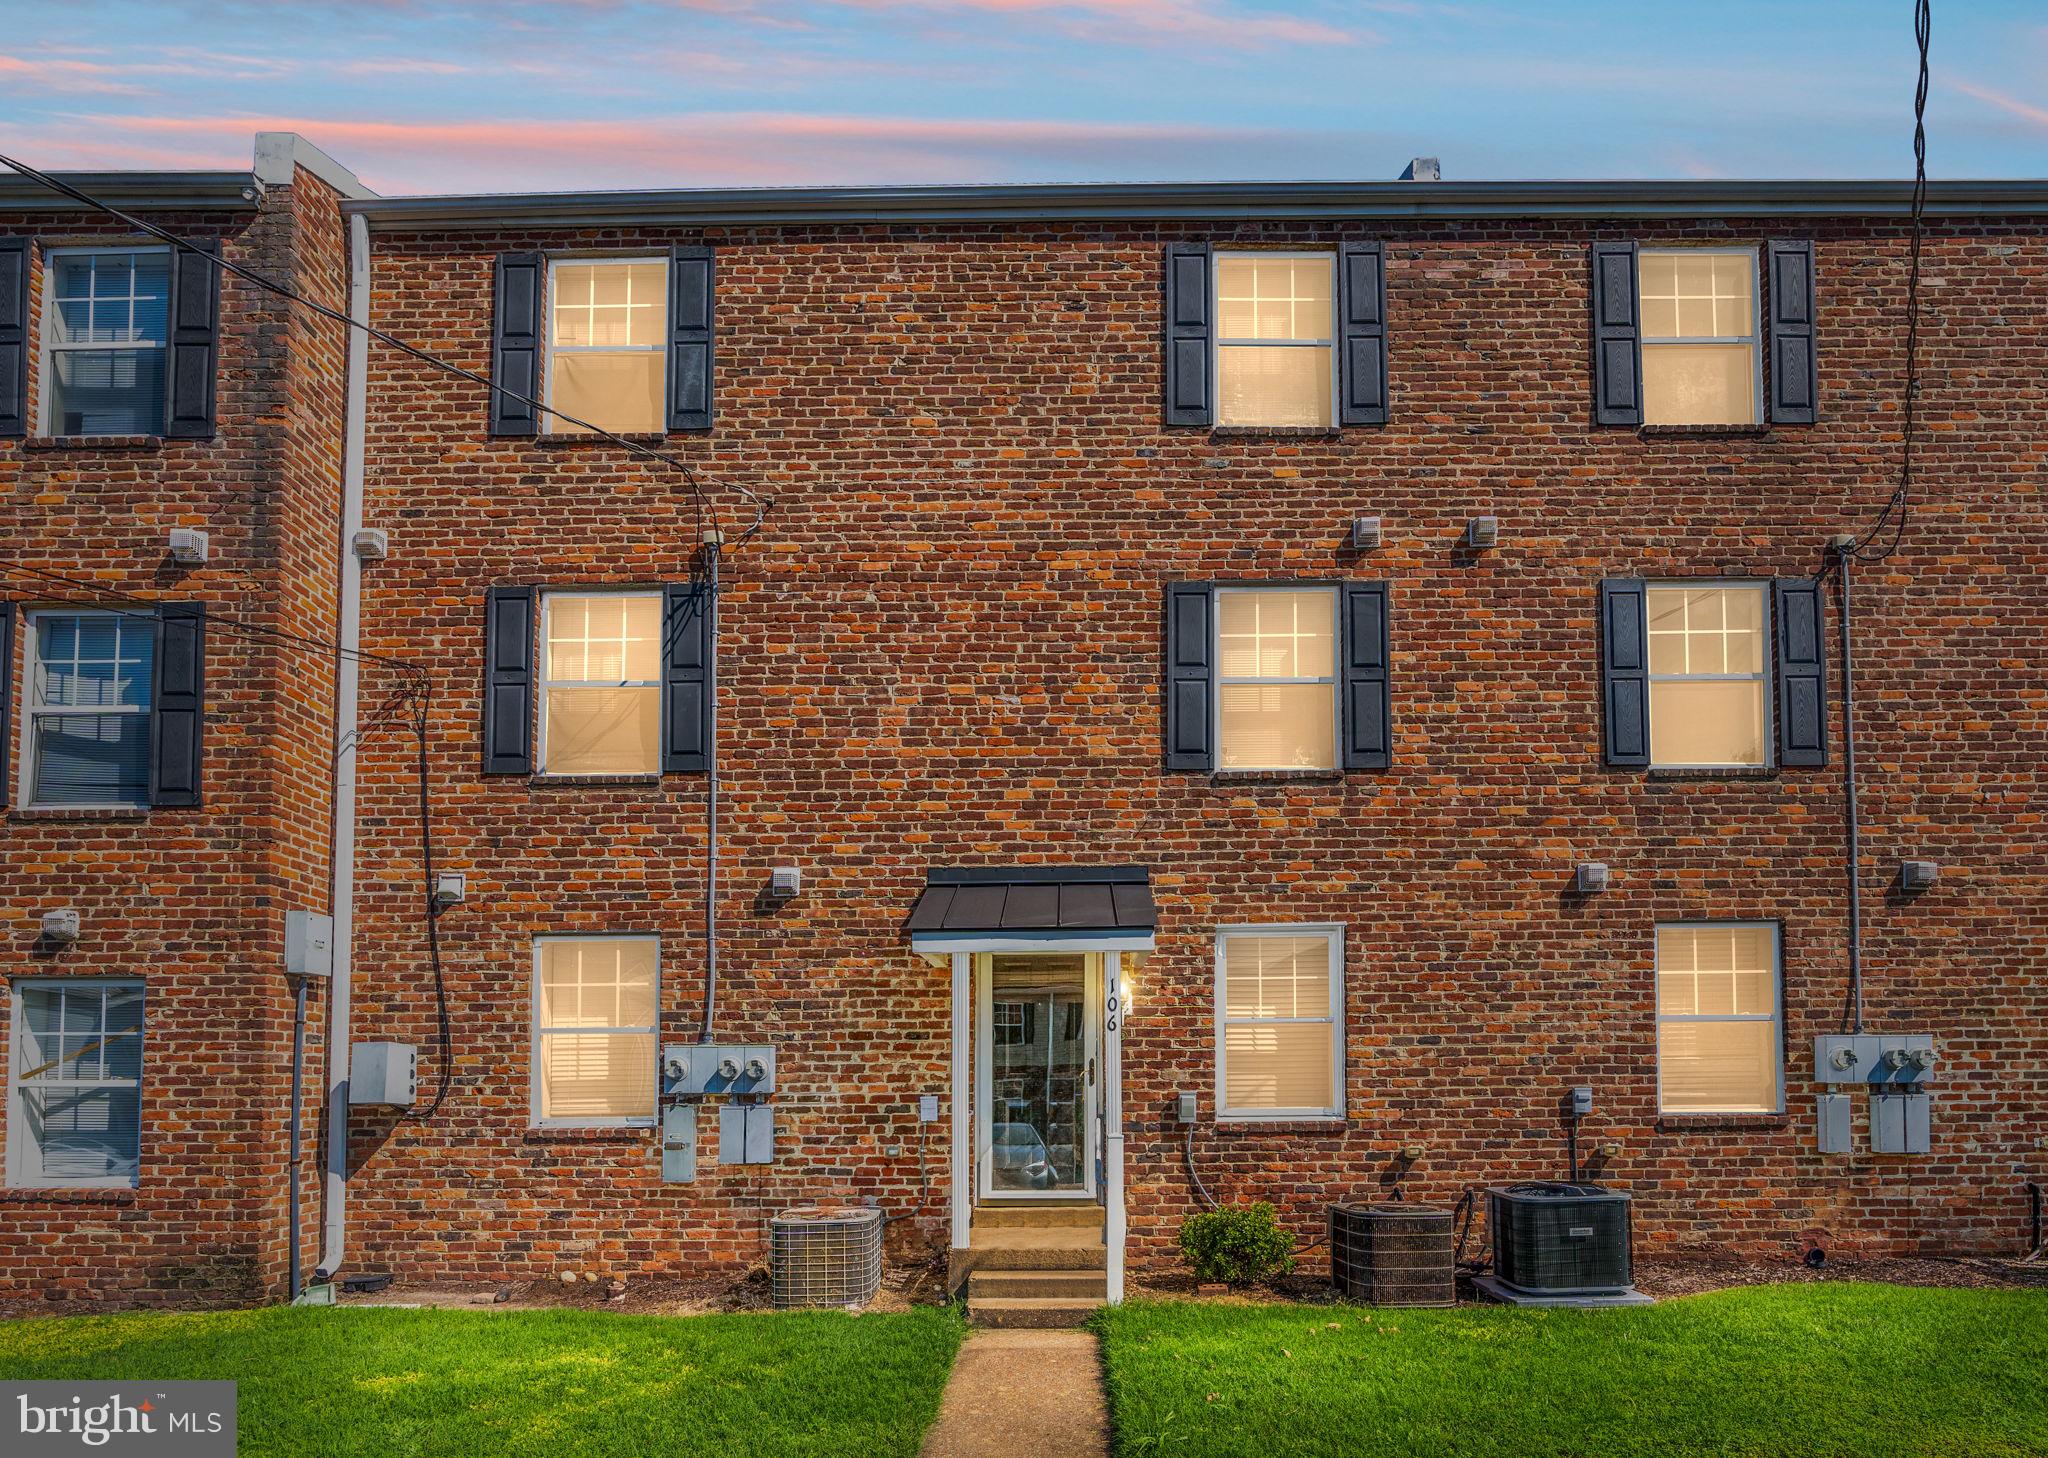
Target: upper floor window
606 346
1275 320
600 681
105 341
75 1083
595 1027
1719 1045
1280 1022
1699 321
1708 683
88 722
1276 685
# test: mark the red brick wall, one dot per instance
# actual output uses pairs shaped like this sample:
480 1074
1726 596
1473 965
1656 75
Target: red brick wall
943 648
193 900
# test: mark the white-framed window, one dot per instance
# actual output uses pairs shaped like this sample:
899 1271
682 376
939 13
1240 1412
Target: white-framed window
1720 1043
1709 687
105 337
1276 678
74 1085
595 1027
1701 365
1276 322
86 732
600 683
606 351
1280 1022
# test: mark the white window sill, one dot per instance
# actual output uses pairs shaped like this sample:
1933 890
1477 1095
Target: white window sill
649 777
81 812
94 442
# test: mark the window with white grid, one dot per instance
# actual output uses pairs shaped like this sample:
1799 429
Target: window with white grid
1699 316
1276 685
1709 688
88 708
600 683
595 1029
105 340
607 356
75 1083
1719 1044
1280 1022
1275 322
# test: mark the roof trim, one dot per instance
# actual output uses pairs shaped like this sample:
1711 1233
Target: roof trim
1211 201
213 192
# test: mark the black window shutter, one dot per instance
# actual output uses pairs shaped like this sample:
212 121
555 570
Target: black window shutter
1362 334
1625 670
13 336
1802 674
6 695
688 680
1187 333
515 343
193 358
177 704
1795 371
690 301
1368 739
508 681
1617 337
1190 677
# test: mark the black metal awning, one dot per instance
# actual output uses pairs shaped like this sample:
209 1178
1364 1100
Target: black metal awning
1021 900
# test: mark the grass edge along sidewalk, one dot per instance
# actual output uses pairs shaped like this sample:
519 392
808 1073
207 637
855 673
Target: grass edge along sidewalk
356 1382
1789 1371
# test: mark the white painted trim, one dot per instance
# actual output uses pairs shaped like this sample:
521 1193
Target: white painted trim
933 943
1334 932
278 153
534 1119
963 1083
1777 1015
1114 1006
984 1053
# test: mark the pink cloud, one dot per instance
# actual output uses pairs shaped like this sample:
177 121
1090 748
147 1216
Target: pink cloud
1188 20
2012 105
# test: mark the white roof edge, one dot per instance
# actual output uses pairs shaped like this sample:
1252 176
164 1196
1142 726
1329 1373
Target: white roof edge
278 154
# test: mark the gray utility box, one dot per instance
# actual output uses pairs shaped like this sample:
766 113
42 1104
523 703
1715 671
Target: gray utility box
679 1144
1891 1059
1900 1123
1836 1123
694 1070
384 1074
746 1134
308 944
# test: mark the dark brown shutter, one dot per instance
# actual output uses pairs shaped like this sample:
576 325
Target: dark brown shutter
13 336
1190 679
508 680
1617 337
688 678
177 704
1368 738
1188 330
1795 371
1362 334
515 343
6 698
1625 670
1802 673
690 302
193 359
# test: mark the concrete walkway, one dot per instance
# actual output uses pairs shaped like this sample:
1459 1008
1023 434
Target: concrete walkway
1023 1394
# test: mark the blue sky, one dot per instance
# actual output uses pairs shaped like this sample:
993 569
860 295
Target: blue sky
489 95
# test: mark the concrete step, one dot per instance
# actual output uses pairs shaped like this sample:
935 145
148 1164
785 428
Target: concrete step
1027 1249
1030 1311
1075 1285
1038 1217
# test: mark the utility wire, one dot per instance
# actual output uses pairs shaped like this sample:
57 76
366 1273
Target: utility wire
701 498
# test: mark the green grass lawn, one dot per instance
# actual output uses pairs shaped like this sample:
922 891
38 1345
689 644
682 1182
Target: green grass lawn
1792 1371
339 1382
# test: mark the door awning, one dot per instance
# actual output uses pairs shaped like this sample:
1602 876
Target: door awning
999 907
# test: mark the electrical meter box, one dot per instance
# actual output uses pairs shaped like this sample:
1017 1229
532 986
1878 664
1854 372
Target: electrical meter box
308 944
1836 1113
383 1074
746 1134
679 1144
694 1070
1900 1123
1891 1059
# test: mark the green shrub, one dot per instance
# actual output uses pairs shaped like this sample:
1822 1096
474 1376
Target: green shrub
1237 1244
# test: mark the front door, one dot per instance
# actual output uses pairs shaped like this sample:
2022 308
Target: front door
1036 1052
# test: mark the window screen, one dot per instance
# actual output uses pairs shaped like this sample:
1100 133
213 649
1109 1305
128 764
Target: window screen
1275 318
1280 1006
1276 687
1699 337
606 347
88 700
76 1115
1707 675
106 341
600 670
1718 1038
594 1029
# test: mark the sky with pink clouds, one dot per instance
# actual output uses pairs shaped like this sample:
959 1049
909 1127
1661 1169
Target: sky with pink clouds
497 95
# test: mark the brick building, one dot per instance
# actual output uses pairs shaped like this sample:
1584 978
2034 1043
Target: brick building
1117 761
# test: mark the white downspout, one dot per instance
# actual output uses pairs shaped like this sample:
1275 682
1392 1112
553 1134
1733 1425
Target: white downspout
1114 1010
348 694
963 1084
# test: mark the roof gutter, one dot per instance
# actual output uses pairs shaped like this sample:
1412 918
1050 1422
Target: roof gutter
232 192
1167 201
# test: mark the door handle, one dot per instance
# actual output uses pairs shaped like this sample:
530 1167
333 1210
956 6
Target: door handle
1091 1073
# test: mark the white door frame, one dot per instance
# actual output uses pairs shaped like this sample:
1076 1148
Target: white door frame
984 1064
